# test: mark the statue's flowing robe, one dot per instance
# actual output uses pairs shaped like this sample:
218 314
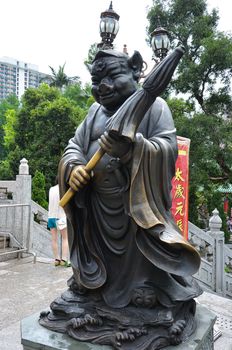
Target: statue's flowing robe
123 237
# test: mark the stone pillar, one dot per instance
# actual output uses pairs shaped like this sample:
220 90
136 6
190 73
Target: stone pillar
215 224
23 196
23 183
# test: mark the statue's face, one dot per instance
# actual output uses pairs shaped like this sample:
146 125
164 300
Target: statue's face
112 81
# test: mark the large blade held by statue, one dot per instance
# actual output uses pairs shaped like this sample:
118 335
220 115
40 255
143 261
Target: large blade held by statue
127 119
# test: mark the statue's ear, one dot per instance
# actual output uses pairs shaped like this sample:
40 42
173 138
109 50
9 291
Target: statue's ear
135 62
89 67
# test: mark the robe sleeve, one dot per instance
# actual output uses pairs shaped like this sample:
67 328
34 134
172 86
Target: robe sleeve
153 167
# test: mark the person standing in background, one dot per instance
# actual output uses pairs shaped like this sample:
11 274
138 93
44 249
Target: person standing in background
57 221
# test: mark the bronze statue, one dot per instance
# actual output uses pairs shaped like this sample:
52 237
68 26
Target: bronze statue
131 286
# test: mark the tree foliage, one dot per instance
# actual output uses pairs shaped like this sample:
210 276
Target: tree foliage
210 156
38 189
206 69
40 127
204 115
91 54
80 96
45 123
10 103
59 78
9 129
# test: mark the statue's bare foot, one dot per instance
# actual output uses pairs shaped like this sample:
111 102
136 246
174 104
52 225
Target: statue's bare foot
128 335
83 321
176 330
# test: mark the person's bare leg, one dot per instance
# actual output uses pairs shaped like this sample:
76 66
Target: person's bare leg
65 249
55 243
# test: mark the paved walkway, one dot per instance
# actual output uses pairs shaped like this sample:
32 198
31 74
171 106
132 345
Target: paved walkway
27 288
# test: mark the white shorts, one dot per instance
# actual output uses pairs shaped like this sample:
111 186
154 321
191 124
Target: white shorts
61 223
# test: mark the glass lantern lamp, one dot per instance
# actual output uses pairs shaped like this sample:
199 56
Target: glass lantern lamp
160 42
109 27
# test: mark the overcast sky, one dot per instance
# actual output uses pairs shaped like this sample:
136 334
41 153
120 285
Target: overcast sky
52 32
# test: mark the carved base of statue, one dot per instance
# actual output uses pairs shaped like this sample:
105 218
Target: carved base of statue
143 324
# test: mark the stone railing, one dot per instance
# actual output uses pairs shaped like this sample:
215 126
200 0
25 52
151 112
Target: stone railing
21 217
41 237
228 259
228 271
40 214
15 221
216 258
205 245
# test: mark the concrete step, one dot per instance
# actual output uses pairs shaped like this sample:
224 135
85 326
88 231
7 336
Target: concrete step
7 241
9 255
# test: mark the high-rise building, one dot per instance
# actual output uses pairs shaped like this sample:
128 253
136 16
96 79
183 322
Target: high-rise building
17 76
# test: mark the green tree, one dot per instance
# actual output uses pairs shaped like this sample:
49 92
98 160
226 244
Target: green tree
6 172
206 69
80 96
10 103
210 155
45 123
9 129
59 78
91 54
38 189
203 77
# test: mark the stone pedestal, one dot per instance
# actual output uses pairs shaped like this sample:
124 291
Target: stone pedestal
37 337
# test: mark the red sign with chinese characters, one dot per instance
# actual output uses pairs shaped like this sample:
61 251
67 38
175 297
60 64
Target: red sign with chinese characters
180 184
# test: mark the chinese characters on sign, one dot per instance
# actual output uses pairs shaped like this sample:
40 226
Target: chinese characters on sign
180 183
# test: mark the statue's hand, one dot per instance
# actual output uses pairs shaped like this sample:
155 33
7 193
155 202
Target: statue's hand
79 177
115 148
